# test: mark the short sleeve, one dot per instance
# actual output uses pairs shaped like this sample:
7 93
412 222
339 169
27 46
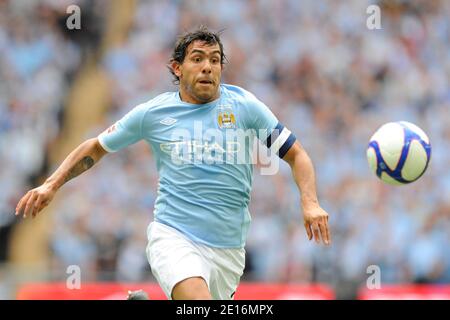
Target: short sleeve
269 130
261 118
124 132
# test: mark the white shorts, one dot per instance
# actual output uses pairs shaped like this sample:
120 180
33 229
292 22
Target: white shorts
173 257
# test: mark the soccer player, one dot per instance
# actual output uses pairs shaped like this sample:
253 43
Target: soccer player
201 218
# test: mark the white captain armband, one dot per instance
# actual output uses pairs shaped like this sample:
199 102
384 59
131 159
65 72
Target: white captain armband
280 140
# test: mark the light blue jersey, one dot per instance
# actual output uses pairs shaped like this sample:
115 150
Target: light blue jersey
203 155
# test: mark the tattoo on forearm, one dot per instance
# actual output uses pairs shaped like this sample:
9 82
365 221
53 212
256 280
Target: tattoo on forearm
83 165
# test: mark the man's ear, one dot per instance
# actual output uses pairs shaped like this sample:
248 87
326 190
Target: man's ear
176 67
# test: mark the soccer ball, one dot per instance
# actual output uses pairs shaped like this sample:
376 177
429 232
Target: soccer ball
399 152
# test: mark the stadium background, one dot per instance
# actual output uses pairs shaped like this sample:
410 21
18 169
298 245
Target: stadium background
331 80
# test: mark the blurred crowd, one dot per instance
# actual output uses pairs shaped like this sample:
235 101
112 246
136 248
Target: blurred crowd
326 76
36 64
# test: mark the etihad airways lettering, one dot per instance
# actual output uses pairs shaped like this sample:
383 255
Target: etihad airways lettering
195 151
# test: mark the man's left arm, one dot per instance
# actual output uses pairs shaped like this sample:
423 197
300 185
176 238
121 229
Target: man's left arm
315 218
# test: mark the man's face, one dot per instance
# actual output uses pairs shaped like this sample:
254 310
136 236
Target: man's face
200 73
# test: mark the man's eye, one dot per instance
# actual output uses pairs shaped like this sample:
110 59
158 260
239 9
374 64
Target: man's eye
215 60
197 59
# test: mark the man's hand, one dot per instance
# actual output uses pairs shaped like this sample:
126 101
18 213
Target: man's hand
78 161
316 224
316 219
35 200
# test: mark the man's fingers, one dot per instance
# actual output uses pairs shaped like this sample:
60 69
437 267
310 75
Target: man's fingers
323 232
29 207
328 232
19 205
22 203
315 229
37 205
308 230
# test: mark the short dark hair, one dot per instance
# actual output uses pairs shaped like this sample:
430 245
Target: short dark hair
201 34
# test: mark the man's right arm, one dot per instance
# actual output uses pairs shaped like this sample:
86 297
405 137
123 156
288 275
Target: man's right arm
79 160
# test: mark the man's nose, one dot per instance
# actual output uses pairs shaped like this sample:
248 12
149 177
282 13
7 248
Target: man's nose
206 67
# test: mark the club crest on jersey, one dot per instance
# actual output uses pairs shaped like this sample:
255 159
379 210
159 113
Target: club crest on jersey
225 117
